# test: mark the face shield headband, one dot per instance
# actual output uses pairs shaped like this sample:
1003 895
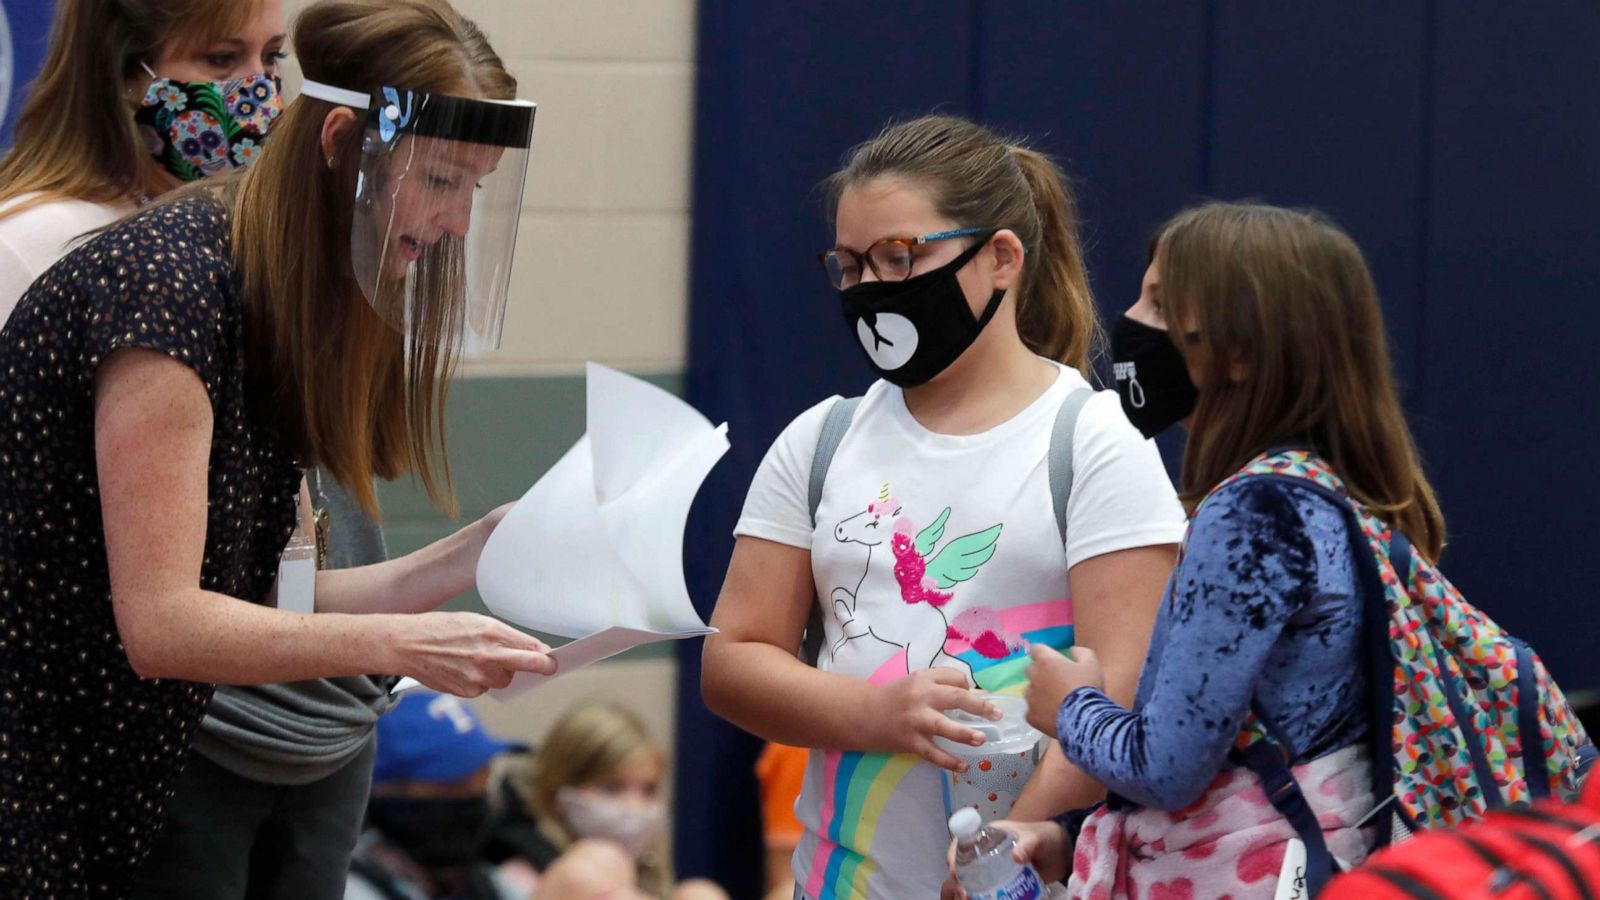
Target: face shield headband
437 202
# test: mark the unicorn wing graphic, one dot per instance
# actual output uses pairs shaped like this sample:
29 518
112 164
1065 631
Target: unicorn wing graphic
961 558
929 536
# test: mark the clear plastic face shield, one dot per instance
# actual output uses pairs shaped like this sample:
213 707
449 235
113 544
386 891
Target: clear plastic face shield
437 201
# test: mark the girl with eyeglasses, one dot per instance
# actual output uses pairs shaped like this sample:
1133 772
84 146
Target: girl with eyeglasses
933 552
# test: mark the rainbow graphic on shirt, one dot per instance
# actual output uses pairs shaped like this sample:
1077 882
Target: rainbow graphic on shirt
856 787
1048 623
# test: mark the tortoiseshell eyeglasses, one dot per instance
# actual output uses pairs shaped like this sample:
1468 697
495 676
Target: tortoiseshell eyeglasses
890 259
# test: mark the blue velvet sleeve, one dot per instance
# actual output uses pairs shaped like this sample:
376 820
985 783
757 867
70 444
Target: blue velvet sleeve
1264 604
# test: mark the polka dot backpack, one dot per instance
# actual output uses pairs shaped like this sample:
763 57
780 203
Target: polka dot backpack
1465 716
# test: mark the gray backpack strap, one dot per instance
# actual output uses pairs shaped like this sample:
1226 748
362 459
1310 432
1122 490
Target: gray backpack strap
833 429
1060 459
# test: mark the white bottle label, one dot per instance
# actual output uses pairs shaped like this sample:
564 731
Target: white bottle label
1025 886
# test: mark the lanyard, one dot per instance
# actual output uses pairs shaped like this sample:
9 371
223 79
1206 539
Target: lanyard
320 519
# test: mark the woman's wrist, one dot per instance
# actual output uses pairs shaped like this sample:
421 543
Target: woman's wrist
443 569
384 643
466 547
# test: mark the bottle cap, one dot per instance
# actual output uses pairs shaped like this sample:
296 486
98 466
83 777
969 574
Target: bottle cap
966 823
1010 734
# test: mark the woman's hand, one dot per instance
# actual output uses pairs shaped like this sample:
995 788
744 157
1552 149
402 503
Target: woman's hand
454 559
492 521
465 546
1052 676
465 653
1043 845
414 583
904 715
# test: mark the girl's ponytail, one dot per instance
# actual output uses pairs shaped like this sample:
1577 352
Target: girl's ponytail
1055 314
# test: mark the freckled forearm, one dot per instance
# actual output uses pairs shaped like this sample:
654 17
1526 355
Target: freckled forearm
204 636
417 582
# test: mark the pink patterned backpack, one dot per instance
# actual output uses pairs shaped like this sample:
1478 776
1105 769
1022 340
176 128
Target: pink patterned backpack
1465 718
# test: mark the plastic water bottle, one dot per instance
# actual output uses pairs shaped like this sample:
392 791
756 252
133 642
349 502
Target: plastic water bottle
984 865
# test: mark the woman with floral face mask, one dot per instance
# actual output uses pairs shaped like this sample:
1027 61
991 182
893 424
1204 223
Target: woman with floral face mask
597 777
135 98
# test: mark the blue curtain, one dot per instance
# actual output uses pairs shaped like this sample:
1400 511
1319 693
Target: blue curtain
24 35
1456 141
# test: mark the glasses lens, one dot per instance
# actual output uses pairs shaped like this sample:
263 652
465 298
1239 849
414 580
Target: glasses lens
843 269
892 261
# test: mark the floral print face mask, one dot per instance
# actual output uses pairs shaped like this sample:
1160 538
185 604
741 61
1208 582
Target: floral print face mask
200 128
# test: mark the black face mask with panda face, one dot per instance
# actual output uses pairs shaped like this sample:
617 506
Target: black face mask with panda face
912 330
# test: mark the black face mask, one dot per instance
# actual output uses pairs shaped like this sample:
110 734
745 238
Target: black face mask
439 834
1152 379
914 329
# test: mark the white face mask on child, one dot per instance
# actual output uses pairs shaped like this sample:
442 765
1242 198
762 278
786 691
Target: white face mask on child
592 814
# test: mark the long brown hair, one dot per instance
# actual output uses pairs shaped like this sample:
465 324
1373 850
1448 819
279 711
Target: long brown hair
1278 310
75 137
589 742
344 388
978 179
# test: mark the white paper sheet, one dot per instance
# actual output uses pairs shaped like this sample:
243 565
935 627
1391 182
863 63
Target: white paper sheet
594 550
581 652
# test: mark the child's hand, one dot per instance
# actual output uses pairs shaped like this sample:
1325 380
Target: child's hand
1043 845
1051 677
904 715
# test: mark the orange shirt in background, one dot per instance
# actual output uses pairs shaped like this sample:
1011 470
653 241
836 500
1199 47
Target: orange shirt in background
780 772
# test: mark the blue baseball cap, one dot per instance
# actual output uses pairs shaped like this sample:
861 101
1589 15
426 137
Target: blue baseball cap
433 737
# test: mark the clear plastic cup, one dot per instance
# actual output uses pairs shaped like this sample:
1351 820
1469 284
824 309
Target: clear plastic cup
997 769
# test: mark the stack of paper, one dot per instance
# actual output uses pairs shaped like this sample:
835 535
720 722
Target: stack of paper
594 550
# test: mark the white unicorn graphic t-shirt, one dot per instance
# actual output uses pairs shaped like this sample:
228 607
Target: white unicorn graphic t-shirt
939 550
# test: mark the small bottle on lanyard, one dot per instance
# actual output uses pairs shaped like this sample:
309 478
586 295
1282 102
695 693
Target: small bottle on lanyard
297 569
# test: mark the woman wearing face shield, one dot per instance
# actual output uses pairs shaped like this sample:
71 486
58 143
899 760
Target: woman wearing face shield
278 768
170 378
